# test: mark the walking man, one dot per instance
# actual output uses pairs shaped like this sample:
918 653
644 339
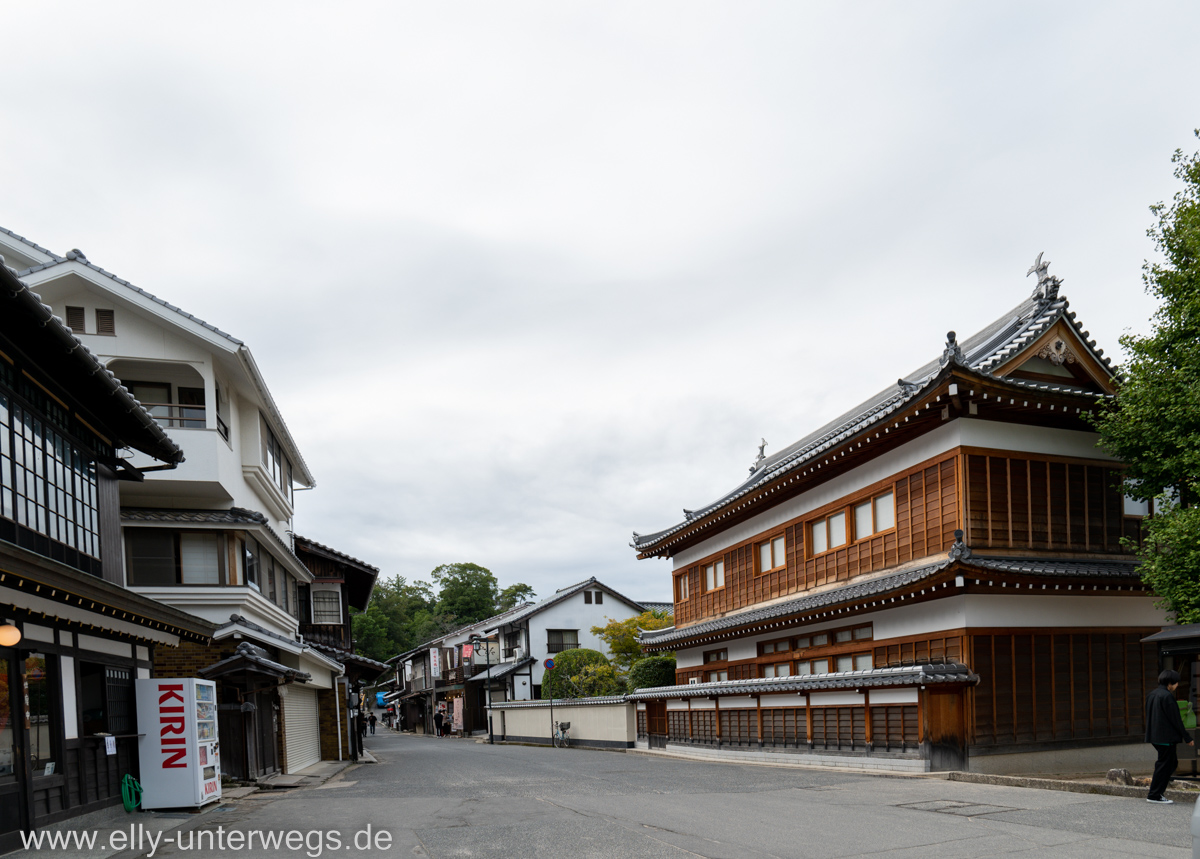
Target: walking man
371 721
1164 729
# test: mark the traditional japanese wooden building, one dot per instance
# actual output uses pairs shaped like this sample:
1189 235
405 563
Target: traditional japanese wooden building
935 579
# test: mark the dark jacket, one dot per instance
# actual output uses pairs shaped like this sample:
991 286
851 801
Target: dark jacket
1164 726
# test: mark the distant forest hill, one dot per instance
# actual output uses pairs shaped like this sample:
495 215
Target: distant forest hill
403 614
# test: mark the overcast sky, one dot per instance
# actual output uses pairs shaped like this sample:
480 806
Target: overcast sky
525 278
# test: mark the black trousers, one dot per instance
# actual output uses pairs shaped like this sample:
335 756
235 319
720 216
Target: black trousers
1164 768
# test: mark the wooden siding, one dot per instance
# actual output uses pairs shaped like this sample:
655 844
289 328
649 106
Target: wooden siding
1042 687
926 511
941 648
1027 502
894 727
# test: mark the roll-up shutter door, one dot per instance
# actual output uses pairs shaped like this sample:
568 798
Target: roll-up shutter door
303 734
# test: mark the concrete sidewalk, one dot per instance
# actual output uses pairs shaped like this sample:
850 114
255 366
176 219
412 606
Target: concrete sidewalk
1092 786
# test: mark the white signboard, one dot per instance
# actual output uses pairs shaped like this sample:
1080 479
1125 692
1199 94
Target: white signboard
435 661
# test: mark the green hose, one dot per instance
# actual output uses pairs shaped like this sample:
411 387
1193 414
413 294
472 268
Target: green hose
131 792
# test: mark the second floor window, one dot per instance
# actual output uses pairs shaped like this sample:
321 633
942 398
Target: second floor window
326 607
771 554
558 640
874 516
681 587
276 462
512 640
714 575
161 557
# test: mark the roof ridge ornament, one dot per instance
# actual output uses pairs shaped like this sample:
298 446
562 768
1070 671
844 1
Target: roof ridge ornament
762 446
960 551
953 353
1047 284
907 387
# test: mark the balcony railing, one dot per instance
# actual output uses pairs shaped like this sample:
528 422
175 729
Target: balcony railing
559 647
174 415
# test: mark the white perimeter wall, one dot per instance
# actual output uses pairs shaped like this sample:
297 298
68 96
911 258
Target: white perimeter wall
602 723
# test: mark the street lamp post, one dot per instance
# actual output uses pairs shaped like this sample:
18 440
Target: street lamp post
487 680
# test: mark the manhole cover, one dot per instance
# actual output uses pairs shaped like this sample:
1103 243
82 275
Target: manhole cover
956 807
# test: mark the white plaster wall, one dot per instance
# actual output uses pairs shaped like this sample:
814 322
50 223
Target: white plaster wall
574 613
217 603
1030 609
969 432
611 723
212 472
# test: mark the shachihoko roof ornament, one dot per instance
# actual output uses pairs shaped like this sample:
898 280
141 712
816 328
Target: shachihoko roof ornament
1047 284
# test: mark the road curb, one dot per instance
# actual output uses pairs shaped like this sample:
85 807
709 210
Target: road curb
1126 790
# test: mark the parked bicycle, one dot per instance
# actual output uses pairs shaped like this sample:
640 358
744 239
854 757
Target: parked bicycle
562 735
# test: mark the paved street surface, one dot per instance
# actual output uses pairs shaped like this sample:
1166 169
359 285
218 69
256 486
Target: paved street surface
456 798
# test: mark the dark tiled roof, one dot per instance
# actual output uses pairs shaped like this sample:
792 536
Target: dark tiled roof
1057 567
872 678
562 594
251 658
982 352
833 596
232 516
882 585
238 620
319 548
345 656
668 607
560 702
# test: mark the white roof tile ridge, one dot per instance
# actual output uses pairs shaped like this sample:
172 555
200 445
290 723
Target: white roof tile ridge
30 243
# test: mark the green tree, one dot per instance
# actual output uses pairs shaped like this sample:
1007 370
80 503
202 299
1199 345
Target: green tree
621 635
1153 425
652 671
598 681
559 682
467 592
398 617
514 595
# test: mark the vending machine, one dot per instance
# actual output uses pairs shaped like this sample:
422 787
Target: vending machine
177 745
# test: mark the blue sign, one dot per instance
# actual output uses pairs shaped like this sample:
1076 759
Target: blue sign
549 663
379 700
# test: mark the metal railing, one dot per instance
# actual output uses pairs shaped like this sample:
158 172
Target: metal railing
175 415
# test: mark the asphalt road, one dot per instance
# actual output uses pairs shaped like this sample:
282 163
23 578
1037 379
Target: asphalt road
456 798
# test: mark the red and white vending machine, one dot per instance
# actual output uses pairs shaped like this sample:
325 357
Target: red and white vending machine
178 750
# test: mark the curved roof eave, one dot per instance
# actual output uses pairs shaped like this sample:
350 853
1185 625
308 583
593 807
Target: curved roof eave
988 348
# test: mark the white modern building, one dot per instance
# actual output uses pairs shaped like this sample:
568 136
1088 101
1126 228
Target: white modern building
213 535
561 622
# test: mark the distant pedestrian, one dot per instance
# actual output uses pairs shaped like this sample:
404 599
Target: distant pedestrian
371 721
1164 729
438 718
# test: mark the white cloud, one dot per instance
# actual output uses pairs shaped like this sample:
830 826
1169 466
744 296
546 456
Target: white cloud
525 278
